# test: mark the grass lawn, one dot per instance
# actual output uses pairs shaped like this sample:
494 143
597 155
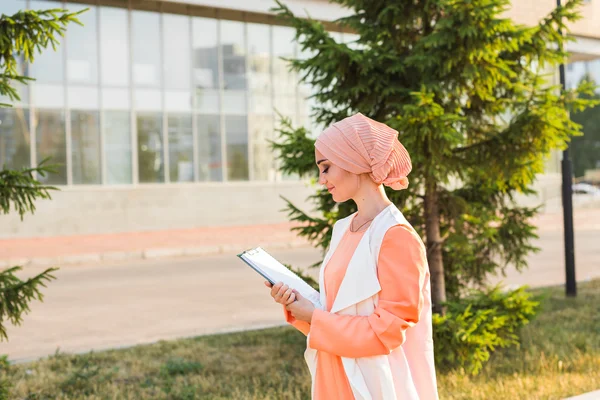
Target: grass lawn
559 357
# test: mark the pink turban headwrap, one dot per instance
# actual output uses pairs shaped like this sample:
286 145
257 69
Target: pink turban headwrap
361 145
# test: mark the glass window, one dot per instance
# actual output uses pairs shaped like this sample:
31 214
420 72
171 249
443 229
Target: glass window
177 49
236 129
146 48
261 130
14 138
150 147
594 70
177 60
11 7
234 55
209 148
114 47
50 138
47 96
82 51
205 64
234 67
85 147
147 99
115 99
284 46
178 100
82 97
260 118
117 147
48 67
585 150
234 102
306 102
259 74
285 99
181 148
574 74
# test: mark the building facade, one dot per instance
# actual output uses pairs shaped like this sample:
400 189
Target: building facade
160 112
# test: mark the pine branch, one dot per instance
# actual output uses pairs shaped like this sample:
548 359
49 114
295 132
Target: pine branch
23 35
21 188
15 295
294 148
316 230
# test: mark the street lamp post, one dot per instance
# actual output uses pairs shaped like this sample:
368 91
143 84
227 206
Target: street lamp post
567 200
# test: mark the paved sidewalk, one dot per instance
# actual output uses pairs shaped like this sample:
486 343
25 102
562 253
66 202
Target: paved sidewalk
86 249
120 304
587 396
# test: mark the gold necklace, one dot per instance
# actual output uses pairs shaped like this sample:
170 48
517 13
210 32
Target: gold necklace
359 226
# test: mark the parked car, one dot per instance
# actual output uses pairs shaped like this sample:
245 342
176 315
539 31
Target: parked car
586 188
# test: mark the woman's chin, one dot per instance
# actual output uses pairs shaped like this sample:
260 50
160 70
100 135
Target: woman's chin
337 199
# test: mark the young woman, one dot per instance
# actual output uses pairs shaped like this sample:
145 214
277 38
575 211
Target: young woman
372 337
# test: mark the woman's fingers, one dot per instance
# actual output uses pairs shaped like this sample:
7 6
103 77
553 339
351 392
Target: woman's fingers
285 299
275 289
278 292
291 299
283 293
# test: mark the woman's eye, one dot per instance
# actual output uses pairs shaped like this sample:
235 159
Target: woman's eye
325 170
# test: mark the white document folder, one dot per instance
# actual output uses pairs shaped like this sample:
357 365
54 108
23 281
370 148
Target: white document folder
274 271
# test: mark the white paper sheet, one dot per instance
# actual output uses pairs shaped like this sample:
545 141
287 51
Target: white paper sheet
269 267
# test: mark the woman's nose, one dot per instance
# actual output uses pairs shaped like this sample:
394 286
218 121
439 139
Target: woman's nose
322 180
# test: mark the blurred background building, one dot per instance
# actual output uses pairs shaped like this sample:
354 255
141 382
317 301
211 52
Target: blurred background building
160 112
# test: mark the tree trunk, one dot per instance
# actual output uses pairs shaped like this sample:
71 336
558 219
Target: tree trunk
434 247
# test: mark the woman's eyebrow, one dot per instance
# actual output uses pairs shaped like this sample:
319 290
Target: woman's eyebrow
320 161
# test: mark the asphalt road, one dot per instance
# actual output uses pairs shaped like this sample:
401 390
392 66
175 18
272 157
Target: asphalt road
108 306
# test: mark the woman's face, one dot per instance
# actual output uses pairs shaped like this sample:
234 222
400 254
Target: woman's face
341 184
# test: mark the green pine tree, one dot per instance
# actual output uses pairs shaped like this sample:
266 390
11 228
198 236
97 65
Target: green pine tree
23 35
468 91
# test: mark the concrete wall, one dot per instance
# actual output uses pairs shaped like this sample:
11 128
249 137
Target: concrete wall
530 12
81 210
318 9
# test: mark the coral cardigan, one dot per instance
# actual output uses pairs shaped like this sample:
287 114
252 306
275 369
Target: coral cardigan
375 346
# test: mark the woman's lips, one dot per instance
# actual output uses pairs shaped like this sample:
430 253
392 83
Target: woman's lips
331 189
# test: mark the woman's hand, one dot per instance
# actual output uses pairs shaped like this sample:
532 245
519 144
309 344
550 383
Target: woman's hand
282 294
302 309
